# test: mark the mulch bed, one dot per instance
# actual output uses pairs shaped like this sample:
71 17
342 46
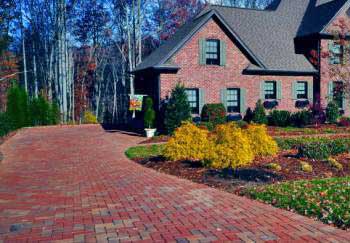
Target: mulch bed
257 174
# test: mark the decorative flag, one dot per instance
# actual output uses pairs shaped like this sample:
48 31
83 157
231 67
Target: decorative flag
136 102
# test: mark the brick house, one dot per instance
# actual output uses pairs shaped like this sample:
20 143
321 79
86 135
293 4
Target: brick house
237 56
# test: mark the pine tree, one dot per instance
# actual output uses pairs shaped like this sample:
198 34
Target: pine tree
259 114
177 110
17 107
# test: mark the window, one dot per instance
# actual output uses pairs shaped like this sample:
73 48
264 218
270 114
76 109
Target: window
193 99
338 94
270 90
336 53
302 90
233 100
212 52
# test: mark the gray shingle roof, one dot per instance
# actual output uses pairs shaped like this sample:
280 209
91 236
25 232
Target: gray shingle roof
269 35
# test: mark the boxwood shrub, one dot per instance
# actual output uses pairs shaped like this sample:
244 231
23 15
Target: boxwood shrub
324 148
280 118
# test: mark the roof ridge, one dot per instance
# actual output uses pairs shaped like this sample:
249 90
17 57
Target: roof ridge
242 8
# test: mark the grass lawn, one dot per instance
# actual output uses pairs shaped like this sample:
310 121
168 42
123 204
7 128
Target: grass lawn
144 152
325 199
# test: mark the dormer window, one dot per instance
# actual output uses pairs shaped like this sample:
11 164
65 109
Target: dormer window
212 52
336 52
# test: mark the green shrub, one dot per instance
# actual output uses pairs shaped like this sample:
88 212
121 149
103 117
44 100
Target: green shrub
5 124
280 118
249 115
39 110
17 107
301 118
316 150
54 114
177 110
150 114
323 148
332 112
215 113
259 116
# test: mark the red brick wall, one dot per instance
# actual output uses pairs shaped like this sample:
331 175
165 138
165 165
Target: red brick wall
214 78
342 70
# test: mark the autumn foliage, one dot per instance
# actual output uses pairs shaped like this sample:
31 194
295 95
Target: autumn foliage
227 147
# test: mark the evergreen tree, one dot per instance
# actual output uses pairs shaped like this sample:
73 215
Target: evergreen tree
39 111
17 107
259 113
177 110
54 114
150 114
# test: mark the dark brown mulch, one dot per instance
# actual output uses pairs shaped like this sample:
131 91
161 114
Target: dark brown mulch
256 174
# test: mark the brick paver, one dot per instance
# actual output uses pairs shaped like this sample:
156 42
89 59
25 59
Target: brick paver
74 184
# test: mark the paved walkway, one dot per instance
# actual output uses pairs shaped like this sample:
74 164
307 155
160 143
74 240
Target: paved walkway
75 185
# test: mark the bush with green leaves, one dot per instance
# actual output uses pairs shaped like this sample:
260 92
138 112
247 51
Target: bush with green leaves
39 110
259 116
332 112
150 114
17 107
301 118
54 114
177 109
43 113
214 113
323 148
280 118
5 124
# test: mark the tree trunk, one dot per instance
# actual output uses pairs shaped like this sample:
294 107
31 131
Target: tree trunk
36 89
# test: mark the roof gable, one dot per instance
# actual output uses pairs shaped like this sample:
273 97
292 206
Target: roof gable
161 55
266 36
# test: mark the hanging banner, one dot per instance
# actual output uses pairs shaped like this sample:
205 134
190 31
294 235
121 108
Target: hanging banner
136 102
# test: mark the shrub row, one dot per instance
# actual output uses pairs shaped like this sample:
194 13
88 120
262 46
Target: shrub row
323 149
315 147
22 111
229 146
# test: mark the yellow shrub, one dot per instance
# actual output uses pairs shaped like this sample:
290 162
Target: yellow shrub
262 144
306 167
274 166
89 118
188 143
334 163
232 148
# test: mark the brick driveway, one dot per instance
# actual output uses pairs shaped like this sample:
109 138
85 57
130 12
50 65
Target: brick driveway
75 184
